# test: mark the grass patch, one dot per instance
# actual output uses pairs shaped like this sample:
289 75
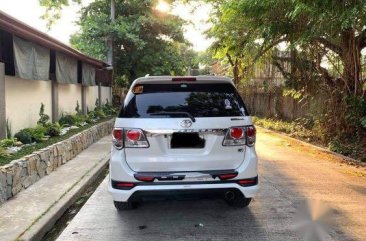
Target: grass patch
293 129
314 134
30 149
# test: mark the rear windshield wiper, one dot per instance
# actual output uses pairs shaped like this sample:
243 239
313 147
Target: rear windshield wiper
175 113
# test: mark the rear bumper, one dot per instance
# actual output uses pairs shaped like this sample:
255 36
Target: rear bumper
168 190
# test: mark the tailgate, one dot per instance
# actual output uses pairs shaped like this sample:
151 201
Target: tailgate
176 148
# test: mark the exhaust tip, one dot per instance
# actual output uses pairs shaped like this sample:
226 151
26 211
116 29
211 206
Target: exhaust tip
229 195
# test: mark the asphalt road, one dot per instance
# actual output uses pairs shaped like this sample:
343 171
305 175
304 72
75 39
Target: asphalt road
305 195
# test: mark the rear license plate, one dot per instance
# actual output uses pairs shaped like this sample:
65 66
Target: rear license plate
187 140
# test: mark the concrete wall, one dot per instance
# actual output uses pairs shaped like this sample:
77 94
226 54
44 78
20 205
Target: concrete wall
68 95
106 94
23 101
91 96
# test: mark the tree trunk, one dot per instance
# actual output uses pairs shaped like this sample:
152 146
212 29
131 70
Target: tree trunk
235 67
352 66
236 73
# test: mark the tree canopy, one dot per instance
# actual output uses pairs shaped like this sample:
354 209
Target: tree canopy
145 40
248 29
324 41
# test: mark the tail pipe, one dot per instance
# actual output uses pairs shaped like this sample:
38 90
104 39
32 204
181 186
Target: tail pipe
229 195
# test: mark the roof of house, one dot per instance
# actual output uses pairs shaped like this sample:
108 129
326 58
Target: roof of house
20 29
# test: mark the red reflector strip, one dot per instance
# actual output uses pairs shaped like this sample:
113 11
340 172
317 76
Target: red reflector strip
144 178
246 181
125 184
184 79
227 176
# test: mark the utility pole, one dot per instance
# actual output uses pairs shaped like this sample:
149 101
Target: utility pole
110 37
110 47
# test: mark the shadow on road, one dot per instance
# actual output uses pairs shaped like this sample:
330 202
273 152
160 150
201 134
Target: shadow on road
199 219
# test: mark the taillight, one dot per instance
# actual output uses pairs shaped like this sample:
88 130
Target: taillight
240 135
234 137
135 138
117 138
250 135
129 138
236 132
133 135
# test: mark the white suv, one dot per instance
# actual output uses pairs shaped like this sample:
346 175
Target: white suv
183 135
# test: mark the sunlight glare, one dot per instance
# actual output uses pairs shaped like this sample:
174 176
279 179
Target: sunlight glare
163 6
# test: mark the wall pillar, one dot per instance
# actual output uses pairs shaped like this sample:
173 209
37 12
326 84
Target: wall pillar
83 100
110 95
100 94
54 90
2 102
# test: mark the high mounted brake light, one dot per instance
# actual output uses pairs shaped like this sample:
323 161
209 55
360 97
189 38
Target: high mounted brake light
183 79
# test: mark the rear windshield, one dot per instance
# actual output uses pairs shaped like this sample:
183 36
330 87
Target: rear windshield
199 100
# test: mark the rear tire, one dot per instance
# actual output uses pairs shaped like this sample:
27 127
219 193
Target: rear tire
122 206
238 201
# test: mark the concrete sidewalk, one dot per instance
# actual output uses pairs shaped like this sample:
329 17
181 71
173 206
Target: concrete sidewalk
31 213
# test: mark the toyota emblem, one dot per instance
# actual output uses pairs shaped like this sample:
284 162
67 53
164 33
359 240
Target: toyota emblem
186 123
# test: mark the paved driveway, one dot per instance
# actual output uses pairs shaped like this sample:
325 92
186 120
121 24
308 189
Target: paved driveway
305 195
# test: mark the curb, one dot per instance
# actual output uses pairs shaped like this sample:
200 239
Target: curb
45 222
345 159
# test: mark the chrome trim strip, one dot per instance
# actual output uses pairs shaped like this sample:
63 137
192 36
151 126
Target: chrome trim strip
157 132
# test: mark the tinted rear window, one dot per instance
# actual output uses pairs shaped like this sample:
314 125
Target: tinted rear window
199 100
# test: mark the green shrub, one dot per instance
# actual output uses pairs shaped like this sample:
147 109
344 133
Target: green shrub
53 129
96 103
363 122
38 133
108 109
29 135
9 133
99 113
89 117
24 136
79 118
3 152
337 146
8 142
43 118
67 120
77 108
